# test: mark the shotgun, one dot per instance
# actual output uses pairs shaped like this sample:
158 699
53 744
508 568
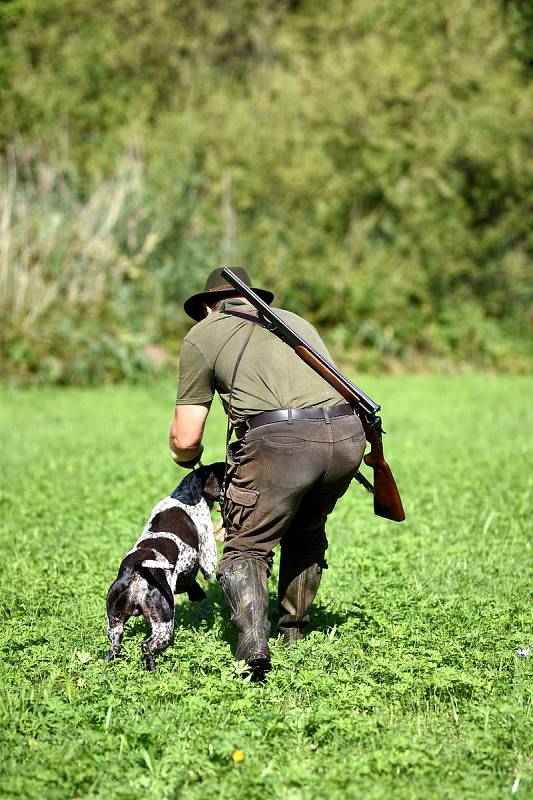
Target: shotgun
387 500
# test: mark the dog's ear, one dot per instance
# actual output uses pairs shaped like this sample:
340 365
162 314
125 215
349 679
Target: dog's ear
212 476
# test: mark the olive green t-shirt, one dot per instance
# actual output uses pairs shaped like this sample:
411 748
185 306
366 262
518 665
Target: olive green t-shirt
270 374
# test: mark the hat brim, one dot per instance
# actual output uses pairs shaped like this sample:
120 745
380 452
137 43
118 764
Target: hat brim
194 306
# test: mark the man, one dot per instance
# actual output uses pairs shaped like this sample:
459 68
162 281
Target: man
298 447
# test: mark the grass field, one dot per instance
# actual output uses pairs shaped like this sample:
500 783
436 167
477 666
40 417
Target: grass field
408 685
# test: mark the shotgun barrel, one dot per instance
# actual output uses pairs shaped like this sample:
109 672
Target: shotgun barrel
285 332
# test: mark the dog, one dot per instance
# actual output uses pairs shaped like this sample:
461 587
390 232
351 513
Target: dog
176 542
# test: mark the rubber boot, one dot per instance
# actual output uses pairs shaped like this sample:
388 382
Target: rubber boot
298 585
245 585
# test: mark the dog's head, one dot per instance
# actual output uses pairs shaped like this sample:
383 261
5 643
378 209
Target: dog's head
211 477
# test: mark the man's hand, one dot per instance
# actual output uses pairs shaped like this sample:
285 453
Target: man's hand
219 528
192 462
221 534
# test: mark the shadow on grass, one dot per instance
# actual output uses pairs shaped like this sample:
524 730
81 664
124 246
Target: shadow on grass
322 618
213 611
205 613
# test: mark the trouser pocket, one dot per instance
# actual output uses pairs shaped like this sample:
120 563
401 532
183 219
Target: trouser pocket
239 508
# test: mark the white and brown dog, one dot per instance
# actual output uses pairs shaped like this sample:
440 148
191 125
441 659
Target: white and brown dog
176 542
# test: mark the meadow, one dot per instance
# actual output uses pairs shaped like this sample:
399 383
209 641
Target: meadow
409 684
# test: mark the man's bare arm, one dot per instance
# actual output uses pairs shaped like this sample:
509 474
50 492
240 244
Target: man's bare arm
186 431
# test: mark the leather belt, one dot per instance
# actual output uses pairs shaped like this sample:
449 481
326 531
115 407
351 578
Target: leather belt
288 414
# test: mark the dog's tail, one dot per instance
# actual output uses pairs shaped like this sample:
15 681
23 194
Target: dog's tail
156 576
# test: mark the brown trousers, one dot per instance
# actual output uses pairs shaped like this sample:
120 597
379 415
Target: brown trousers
286 479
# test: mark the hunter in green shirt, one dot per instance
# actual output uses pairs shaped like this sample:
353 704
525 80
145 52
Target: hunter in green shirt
288 468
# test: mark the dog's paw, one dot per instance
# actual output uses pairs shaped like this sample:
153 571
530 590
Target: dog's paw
149 662
111 655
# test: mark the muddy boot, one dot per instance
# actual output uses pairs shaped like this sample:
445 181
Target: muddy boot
298 585
244 583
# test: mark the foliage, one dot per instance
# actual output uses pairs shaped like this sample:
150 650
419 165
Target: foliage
369 160
408 685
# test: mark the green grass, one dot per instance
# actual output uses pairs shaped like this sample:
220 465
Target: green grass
408 685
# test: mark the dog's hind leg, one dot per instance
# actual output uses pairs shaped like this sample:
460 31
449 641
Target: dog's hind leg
115 629
158 610
120 607
160 637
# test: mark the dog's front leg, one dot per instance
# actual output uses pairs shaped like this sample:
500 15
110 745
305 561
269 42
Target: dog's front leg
115 629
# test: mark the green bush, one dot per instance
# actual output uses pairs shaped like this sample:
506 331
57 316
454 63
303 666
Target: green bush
367 160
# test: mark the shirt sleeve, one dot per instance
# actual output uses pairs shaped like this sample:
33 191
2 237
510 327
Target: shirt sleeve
196 382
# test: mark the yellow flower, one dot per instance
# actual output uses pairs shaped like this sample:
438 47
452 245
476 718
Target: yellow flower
238 756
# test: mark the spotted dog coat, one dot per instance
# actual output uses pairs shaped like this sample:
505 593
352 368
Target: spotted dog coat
176 542
203 553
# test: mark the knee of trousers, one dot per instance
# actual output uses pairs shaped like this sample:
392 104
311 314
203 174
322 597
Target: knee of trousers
306 538
304 553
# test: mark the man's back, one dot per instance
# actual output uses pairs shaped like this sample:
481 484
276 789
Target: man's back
270 375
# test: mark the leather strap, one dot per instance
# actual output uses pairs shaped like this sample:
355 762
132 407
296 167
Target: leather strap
232 385
229 427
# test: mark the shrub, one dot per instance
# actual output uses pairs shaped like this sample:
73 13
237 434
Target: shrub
369 161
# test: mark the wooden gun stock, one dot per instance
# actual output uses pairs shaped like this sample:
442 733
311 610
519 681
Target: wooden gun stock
387 500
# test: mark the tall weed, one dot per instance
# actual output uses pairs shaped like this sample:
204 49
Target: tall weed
70 272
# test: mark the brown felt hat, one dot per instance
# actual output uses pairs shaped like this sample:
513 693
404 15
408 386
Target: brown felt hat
216 288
